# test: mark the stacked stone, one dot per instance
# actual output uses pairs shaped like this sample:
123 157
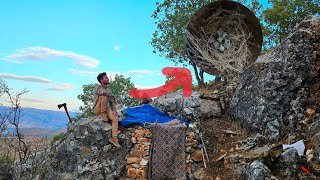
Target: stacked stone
137 159
193 153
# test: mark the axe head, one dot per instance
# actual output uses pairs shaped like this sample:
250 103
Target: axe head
62 105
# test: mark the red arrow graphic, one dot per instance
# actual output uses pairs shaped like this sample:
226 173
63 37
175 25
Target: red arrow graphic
182 77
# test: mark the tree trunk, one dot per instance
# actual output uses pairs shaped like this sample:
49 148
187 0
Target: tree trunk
199 79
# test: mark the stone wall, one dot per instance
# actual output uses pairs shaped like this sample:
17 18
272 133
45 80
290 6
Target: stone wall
138 158
193 153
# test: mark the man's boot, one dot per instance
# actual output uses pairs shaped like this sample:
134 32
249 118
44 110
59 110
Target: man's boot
115 142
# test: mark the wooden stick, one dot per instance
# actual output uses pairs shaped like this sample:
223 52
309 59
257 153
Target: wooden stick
204 146
204 160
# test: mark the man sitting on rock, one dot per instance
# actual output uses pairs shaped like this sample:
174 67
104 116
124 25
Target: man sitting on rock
104 106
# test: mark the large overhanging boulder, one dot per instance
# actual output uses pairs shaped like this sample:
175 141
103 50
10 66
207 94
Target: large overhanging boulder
273 94
223 39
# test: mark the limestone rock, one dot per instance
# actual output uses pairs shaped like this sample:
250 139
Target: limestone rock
288 164
250 142
257 171
174 104
86 153
205 105
210 108
313 128
316 140
272 94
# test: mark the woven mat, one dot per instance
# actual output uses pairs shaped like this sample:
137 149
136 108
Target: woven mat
168 158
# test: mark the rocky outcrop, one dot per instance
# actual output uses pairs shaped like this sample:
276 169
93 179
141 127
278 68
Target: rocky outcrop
212 104
199 105
256 171
273 94
288 164
316 140
174 104
85 152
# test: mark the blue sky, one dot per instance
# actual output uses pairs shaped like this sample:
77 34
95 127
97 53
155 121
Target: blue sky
52 48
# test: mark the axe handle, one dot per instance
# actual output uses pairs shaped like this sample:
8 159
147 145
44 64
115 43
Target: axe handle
65 109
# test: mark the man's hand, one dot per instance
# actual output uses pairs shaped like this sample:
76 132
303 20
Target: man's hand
115 100
115 114
107 94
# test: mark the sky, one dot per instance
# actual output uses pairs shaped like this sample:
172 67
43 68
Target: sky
52 48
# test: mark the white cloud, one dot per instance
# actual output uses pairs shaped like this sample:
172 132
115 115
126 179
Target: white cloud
111 75
145 87
43 53
84 73
61 87
33 100
44 102
142 71
138 76
116 48
25 78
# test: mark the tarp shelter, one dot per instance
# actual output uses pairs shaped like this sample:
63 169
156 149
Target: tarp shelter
145 114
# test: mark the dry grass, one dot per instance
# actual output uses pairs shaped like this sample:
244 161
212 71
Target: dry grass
33 143
234 59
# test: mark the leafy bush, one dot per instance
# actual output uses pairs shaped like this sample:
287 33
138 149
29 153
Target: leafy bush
6 164
57 138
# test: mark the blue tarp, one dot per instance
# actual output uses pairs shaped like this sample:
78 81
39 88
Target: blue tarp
145 114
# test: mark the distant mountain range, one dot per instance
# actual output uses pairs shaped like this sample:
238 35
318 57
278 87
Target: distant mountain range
39 122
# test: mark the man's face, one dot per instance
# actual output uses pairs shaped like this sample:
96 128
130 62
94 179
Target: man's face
105 80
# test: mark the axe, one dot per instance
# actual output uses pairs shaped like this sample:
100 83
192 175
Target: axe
65 109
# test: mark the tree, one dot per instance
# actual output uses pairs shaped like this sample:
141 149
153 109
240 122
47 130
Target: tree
172 18
284 15
169 78
86 98
11 115
120 88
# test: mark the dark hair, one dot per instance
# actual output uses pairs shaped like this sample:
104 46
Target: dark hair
100 76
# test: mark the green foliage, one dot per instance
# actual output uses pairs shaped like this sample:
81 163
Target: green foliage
57 138
6 167
283 15
172 18
6 160
86 98
120 87
169 78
